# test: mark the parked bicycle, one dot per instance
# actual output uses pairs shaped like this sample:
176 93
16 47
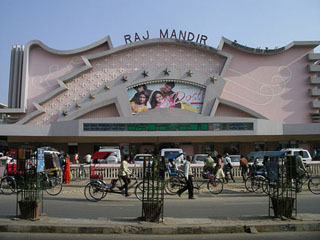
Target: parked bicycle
174 182
49 182
256 178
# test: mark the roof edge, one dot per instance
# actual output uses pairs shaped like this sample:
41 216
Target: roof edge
106 39
266 51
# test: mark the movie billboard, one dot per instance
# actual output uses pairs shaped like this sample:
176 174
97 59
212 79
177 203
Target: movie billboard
168 94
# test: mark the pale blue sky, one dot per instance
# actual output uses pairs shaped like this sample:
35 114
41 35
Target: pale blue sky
70 24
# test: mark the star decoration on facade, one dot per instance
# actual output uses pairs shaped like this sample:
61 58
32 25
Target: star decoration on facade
145 73
124 78
189 73
213 79
64 113
91 96
106 87
166 72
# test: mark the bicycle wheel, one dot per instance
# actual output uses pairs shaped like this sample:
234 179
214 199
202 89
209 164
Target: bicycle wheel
140 190
257 183
215 185
93 192
314 185
172 185
248 184
270 187
55 186
7 185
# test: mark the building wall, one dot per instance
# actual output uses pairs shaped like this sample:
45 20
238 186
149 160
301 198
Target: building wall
273 85
45 68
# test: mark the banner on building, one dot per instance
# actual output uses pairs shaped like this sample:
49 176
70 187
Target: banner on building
167 94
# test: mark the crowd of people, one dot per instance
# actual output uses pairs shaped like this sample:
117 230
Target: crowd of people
216 164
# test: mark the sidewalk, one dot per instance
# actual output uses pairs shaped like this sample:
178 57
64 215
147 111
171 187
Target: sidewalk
46 224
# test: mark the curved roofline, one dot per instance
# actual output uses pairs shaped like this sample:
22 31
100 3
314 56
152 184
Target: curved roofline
87 65
261 51
106 39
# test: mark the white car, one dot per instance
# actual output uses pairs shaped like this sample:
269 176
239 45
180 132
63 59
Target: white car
139 158
200 158
295 151
235 160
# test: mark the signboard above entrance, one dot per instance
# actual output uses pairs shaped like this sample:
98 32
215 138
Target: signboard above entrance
181 35
166 94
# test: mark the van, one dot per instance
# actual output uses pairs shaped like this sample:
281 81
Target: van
295 151
172 153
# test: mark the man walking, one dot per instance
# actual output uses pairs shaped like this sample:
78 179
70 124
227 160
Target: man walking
188 177
243 167
124 173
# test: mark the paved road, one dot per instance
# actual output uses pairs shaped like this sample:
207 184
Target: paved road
241 236
230 204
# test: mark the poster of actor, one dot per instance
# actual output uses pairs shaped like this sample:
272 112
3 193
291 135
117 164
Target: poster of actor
167 94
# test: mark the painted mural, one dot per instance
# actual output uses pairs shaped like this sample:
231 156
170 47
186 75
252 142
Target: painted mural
167 94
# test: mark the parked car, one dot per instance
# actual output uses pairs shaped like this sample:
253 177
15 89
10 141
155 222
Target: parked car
199 158
235 160
139 158
295 151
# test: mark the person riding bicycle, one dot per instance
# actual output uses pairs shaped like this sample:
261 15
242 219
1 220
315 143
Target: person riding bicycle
300 168
219 168
124 173
228 168
208 164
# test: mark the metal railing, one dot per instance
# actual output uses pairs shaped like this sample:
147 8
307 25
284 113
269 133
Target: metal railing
110 171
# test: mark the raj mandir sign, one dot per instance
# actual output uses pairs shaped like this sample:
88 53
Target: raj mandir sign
181 35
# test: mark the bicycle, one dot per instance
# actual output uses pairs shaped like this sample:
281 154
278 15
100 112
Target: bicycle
9 185
51 183
213 184
174 182
13 183
255 180
97 188
312 181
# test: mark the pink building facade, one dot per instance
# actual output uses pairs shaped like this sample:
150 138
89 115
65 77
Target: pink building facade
156 93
